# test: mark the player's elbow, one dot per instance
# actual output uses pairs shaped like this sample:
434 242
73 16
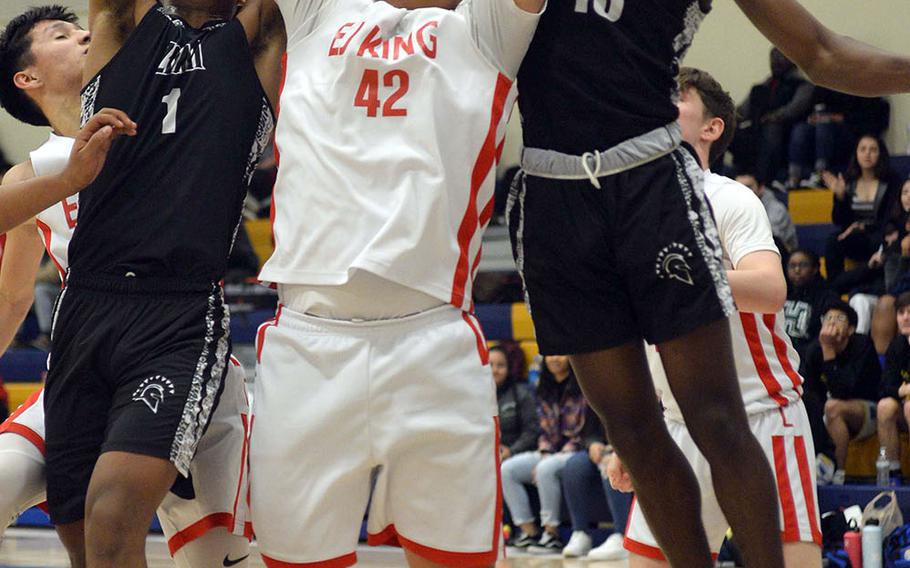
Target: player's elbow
16 305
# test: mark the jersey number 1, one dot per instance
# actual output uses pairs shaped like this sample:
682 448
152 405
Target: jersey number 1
368 93
169 124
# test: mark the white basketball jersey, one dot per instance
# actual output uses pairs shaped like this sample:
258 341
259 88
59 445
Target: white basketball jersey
56 223
390 128
766 361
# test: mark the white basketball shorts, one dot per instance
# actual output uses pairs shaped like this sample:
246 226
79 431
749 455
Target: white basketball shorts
407 406
787 440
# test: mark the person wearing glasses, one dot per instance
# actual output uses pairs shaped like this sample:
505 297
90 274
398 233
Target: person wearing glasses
841 368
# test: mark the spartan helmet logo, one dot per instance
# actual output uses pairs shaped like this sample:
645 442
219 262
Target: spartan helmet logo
152 391
672 263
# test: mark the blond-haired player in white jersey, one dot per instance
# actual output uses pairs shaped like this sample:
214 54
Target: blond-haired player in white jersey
374 369
205 521
765 359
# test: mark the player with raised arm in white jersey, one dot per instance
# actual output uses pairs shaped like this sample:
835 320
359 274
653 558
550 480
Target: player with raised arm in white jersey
375 368
204 518
765 359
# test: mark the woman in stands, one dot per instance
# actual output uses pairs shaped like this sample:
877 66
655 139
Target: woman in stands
863 201
563 415
518 423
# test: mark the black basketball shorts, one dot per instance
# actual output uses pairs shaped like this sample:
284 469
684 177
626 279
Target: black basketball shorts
135 367
639 257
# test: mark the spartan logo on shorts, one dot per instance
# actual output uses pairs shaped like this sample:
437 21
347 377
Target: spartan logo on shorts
152 391
672 263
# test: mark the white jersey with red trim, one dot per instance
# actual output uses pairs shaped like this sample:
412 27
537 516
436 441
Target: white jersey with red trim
391 125
56 223
766 361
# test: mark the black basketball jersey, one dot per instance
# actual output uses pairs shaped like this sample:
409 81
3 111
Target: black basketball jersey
602 71
168 202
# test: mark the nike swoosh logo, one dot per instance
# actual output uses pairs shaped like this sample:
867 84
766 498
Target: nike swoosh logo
229 562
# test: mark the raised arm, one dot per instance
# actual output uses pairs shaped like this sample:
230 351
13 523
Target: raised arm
828 58
265 31
22 257
111 22
22 199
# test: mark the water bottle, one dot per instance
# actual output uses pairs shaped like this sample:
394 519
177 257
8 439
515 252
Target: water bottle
872 545
853 545
534 371
882 468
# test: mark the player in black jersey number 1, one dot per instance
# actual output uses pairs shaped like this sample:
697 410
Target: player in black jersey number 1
141 333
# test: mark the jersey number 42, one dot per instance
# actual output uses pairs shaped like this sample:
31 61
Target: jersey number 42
368 94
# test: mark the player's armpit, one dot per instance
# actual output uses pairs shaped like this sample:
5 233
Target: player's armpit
111 22
265 31
829 59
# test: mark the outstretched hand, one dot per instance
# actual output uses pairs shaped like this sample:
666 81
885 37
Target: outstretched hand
92 144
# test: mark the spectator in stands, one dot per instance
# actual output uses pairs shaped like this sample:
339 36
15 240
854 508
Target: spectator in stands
896 261
590 497
47 288
894 406
807 297
823 142
768 115
782 228
563 415
518 423
842 371
863 202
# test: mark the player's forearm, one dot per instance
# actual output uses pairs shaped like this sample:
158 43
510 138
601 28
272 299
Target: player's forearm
21 201
829 59
12 314
758 291
854 67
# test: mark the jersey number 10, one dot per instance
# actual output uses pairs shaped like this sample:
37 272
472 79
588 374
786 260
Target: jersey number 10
368 93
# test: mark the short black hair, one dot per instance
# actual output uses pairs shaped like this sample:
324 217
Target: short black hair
842 306
16 55
902 301
718 104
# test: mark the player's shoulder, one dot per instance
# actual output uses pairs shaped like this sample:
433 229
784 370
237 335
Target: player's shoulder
724 192
20 172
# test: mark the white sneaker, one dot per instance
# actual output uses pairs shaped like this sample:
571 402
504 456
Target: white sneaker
839 476
611 549
579 545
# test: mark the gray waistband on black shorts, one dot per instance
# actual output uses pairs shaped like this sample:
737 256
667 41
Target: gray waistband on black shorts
597 164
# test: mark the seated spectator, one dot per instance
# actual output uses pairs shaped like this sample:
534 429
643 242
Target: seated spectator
589 497
863 202
807 296
47 288
768 116
563 415
518 423
782 227
842 372
894 406
824 140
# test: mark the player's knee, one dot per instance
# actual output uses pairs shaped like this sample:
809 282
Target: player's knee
888 411
833 409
